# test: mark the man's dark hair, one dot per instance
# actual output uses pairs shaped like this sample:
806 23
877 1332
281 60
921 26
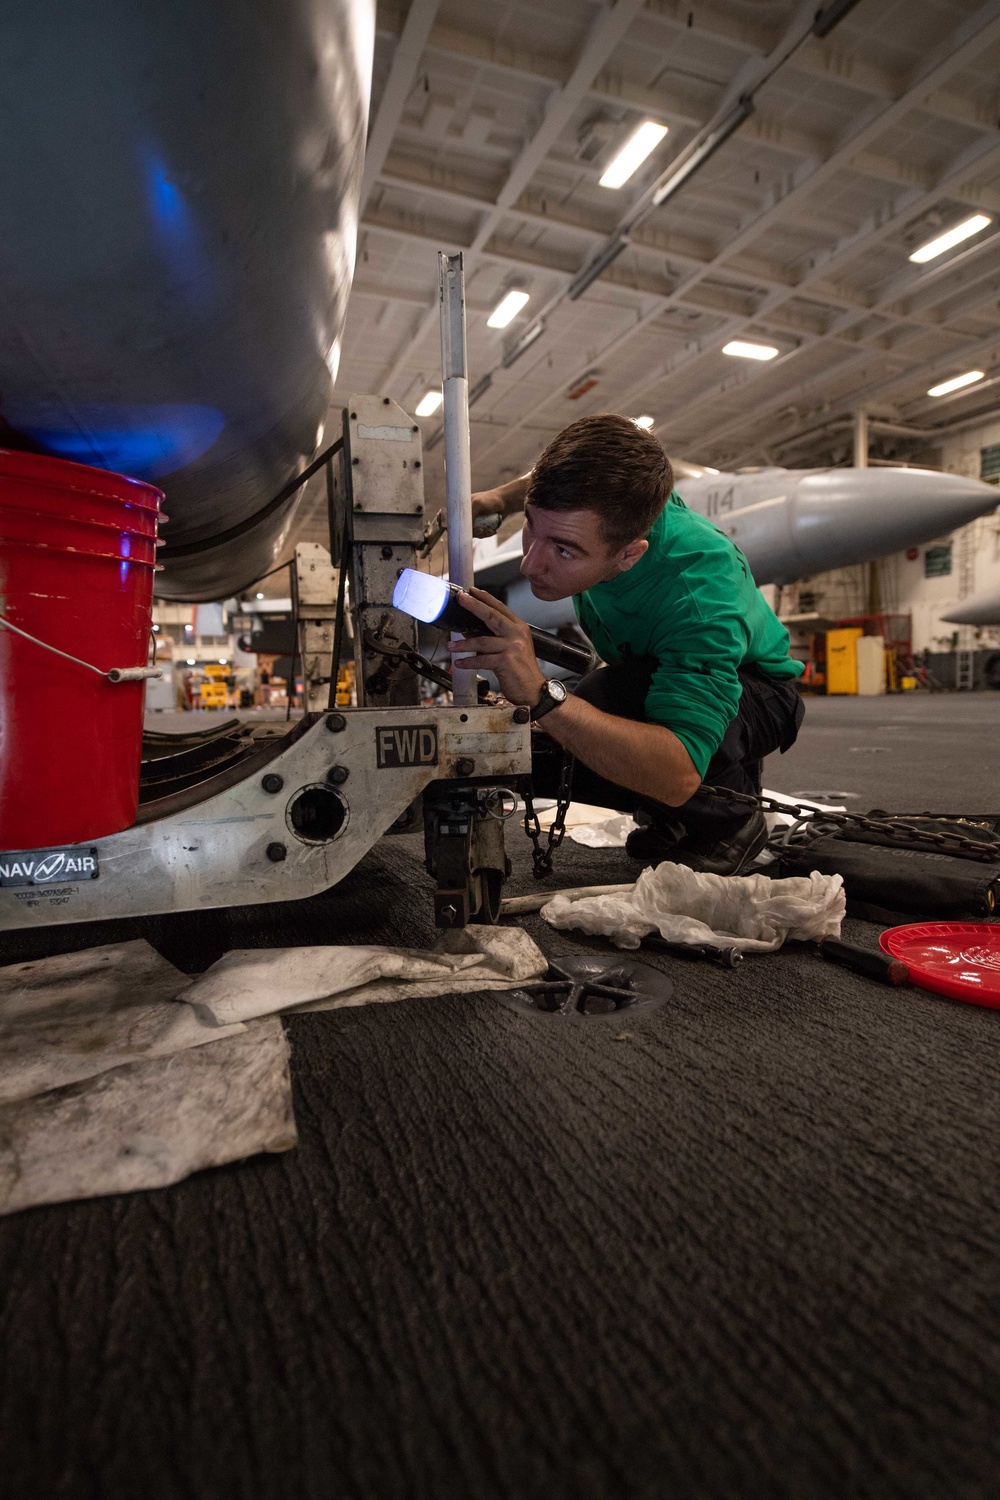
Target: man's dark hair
609 465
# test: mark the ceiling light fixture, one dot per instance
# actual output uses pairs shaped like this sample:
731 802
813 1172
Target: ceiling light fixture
429 404
952 237
593 269
632 155
480 388
644 422
831 15
523 344
507 309
741 350
260 596
956 383
741 111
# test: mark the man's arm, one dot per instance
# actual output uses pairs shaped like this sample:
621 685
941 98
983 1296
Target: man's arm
645 758
505 500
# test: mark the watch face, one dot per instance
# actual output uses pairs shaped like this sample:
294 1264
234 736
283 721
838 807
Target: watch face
557 690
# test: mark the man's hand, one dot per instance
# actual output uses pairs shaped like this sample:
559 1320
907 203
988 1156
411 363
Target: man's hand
487 512
508 652
505 500
646 758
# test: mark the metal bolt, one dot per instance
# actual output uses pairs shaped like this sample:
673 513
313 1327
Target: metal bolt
522 715
276 853
338 775
464 766
355 462
385 400
354 416
415 427
272 782
416 463
387 553
335 723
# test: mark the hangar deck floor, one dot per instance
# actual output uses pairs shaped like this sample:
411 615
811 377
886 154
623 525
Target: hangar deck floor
742 1246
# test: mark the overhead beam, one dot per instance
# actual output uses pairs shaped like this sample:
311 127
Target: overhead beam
716 432
712 24
930 371
605 34
967 42
402 75
534 258
979 31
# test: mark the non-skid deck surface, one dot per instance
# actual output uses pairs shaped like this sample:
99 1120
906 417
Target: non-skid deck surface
741 1246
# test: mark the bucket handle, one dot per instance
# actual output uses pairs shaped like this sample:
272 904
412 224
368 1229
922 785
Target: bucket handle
114 674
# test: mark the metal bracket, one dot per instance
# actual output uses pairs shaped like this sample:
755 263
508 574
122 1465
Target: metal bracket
378 503
289 822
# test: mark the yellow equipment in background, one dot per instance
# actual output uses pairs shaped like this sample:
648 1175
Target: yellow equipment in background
842 659
212 695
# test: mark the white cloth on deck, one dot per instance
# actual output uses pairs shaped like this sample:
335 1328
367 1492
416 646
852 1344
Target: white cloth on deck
150 1123
71 1016
253 982
750 913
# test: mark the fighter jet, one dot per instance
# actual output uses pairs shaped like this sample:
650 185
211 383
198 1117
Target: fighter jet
789 523
979 609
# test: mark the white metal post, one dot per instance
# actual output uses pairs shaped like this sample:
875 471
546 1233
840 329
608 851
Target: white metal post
861 439
457 459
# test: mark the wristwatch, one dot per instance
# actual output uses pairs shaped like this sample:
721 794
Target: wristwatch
553 693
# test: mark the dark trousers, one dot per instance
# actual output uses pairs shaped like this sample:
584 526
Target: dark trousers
768 719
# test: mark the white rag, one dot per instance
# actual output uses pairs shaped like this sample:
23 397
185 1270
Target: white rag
751 913
253 982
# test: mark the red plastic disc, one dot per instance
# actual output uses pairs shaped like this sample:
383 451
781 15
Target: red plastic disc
960 959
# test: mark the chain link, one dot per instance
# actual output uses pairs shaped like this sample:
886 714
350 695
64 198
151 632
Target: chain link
896 830
541 858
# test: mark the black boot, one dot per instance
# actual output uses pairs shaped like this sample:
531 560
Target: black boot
653 842
730 856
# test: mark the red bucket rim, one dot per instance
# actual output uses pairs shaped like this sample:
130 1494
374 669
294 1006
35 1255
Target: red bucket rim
134 528
39 468
9 544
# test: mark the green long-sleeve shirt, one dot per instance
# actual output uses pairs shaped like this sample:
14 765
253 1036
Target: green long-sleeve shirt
691 602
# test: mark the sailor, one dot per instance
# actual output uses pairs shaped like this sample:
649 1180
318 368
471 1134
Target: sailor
698 685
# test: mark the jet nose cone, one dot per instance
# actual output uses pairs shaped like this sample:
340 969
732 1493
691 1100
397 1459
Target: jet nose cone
952 499
845 516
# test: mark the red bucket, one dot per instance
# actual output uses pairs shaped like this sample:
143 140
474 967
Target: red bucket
77 554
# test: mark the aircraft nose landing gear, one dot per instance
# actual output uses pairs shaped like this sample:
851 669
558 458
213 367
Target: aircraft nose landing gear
464 843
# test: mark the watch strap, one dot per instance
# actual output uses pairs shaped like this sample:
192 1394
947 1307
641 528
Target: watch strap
544 704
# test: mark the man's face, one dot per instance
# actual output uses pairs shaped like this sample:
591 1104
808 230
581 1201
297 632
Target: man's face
565 552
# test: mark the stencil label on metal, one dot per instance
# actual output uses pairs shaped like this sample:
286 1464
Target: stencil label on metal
385 434
404 745
42 866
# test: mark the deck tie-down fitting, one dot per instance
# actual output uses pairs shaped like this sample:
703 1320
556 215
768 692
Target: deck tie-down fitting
590 989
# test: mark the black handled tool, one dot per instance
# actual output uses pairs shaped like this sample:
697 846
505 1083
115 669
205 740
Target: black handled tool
870 962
